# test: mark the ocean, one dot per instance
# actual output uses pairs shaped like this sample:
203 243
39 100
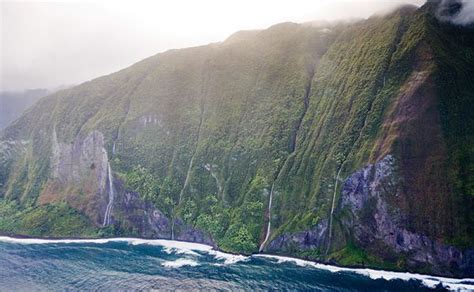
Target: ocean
139 264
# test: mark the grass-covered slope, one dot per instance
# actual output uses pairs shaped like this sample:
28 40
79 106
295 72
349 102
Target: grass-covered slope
13 104
390 85
210 134
227 105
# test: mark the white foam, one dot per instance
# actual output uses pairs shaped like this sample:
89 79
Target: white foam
172 250
191 248
228 258
427 280
179 263
174 246
170 244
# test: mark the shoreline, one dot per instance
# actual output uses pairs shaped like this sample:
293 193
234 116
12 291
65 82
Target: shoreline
432 281
216 248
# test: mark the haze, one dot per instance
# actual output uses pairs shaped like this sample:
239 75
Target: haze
51 44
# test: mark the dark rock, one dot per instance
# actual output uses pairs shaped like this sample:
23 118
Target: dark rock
372 221
84 165
149 222
365 194
304 240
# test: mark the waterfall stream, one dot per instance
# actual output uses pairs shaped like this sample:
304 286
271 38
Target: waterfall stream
108 210
292 149
267 235
333 205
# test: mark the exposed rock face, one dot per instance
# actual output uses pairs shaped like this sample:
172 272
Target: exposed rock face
366 195
80 176
136 216
72 163
305 240
366 213
295 109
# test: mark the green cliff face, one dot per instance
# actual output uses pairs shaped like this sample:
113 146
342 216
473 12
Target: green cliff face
256 142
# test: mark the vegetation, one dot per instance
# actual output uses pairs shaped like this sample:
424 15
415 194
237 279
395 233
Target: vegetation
352 255
48 220
162 194
204 133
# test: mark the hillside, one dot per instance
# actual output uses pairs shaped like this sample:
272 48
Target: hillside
349 143
13 104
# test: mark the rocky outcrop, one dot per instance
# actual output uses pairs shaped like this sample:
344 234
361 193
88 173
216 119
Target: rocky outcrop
136 216
81 175
367 217
372 221
300 241
72 163
293 110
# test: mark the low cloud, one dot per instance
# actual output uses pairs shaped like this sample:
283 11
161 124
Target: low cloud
460 12
45 44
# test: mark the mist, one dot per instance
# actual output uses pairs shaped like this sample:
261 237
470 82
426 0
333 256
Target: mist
459 12
48 45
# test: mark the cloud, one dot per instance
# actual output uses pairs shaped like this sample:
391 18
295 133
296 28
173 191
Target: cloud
45 44
460 12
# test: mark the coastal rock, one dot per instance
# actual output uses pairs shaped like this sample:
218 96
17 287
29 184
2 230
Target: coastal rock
366 214
304 240
366 195
79 175
136 216
82 168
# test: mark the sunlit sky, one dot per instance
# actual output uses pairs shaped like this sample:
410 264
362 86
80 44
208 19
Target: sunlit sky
51 44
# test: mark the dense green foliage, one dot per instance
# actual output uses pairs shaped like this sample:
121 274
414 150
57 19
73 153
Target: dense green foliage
50 221
456 89
205 133
352 255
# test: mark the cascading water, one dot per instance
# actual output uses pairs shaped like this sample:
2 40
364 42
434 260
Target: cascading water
333 205
108 210
267 235
288 158
190 168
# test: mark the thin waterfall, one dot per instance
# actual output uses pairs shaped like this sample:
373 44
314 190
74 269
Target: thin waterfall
267 235
333 205
188 172
108 210
186 182
292 147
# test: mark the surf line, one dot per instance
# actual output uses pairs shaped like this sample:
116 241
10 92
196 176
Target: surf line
466 284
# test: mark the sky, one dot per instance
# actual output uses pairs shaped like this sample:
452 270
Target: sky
54 44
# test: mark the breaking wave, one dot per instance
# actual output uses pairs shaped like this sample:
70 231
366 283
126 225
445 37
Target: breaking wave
177 255
427 280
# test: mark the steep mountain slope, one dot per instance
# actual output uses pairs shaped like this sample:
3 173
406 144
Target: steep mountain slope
348 143
13 104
